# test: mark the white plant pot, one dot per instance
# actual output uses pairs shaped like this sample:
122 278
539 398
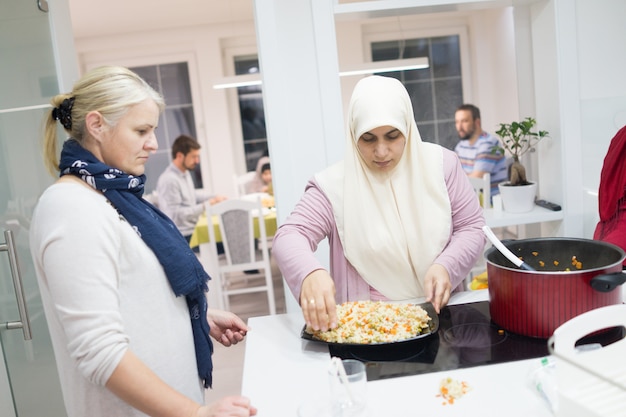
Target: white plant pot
519 198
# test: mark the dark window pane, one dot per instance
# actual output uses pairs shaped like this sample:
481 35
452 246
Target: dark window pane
448 137
449 95
422 98
445 57
385 51
175 81
415 48
427 131
149 74
252 117
180 121
246 65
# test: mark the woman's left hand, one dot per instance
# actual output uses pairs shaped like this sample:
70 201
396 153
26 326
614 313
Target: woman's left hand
226 327
437 286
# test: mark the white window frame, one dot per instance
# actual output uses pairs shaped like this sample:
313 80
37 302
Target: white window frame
229 53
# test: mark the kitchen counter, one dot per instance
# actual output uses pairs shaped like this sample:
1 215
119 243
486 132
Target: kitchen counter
281 371
501 218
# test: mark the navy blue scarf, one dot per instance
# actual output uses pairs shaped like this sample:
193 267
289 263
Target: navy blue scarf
183 270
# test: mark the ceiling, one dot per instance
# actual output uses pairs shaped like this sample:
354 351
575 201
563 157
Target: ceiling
101 18
91 18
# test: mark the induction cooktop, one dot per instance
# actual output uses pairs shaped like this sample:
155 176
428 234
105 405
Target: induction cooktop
466 337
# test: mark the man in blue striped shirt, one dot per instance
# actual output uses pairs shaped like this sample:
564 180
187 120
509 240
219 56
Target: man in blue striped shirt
475 149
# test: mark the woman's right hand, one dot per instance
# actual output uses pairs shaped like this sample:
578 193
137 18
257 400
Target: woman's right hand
317 299
234 406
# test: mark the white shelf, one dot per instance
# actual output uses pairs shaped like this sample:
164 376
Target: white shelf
536 215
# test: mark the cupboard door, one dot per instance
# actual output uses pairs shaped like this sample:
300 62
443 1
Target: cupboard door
29 382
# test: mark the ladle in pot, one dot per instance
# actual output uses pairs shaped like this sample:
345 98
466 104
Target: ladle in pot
505 251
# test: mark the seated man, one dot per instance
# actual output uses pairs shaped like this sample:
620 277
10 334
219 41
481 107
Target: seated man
475 150
178 197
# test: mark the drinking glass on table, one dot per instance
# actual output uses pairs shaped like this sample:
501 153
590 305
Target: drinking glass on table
348 387
347 392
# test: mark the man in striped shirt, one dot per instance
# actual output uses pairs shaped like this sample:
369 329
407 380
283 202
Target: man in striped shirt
475 149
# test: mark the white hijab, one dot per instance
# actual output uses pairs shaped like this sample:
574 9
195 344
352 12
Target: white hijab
393 225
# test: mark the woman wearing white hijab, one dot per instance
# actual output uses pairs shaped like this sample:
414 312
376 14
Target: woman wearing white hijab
401 218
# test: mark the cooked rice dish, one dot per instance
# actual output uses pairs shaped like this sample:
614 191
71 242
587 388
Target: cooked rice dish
451 390
369 322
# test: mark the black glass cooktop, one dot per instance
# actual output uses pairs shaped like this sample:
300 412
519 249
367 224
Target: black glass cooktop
467 337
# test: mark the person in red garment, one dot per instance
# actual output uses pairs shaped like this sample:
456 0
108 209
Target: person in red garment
612 194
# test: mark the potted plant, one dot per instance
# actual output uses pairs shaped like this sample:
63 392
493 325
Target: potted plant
517 138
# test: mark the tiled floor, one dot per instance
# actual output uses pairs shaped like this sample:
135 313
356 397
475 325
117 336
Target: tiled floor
228 361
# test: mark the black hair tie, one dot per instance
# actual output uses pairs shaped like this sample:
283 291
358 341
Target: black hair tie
63 113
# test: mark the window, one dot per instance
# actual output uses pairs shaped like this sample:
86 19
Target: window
252 114
172 81
435 91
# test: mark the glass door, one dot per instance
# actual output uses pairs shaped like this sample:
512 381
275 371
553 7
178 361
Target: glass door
29 383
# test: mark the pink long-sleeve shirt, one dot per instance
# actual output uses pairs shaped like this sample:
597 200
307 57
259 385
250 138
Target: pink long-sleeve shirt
312 220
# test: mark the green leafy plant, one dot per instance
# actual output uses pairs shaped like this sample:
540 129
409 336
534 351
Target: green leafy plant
518 138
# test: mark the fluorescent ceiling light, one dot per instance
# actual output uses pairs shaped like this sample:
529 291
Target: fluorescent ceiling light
387 66
239 81
367 68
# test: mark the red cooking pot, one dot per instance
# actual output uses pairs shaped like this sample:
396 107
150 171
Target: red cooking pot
572 277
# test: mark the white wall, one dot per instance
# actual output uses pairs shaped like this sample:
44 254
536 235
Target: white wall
490 84
602 84
581 93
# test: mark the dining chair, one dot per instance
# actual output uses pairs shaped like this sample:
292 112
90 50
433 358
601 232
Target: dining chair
482 187
242 181
242 265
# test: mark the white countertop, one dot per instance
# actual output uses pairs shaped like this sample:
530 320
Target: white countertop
281 371
501 218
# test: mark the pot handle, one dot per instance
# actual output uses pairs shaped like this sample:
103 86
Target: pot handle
607 282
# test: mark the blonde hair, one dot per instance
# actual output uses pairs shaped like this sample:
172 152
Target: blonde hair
110 90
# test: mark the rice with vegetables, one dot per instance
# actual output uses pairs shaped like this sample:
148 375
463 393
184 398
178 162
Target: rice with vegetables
451 390
370 322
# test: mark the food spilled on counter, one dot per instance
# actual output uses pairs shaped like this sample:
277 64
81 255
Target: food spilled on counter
452 390
369 322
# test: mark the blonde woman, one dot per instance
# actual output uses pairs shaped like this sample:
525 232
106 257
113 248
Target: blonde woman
123 294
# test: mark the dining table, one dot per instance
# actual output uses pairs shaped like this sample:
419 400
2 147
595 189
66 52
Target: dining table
200 233
282 370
